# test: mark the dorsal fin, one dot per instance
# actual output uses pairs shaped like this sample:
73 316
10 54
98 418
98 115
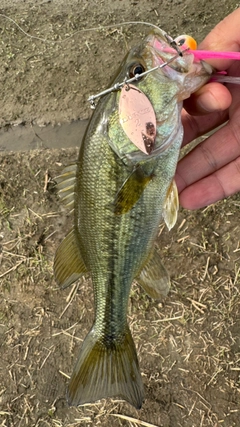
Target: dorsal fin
66 185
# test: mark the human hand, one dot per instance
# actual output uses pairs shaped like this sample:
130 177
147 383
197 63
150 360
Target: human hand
211 171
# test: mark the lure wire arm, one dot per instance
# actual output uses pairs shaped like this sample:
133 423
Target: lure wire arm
126 81
174 44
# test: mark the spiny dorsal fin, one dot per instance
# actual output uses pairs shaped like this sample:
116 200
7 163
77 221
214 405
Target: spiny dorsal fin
68 264
171 206
66 185
154 278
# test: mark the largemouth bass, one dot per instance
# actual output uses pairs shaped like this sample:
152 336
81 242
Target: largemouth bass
120 193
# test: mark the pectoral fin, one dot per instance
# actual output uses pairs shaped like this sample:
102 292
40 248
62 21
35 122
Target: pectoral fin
131 191
68 264
171 206
154 278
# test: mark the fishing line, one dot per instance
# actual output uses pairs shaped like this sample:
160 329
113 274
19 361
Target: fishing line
80 31
197 53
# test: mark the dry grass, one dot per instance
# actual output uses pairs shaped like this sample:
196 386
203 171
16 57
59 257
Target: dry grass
188 344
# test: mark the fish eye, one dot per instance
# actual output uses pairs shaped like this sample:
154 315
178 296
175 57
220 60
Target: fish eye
136 69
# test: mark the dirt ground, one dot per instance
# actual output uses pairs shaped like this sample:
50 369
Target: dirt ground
189 343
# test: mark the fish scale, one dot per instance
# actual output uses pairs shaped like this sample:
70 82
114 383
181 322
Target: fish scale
120 195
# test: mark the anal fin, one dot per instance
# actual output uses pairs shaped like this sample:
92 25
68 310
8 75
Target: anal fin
154 278
68 264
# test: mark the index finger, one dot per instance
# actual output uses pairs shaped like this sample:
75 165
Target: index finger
225 36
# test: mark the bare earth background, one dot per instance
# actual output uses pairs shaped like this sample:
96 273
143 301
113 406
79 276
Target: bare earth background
189 343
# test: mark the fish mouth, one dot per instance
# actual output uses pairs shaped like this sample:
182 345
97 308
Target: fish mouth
163 51
178 67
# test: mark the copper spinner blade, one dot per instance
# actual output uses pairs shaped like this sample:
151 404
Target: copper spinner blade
137 118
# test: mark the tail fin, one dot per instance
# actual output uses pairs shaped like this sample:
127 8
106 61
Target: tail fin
106 369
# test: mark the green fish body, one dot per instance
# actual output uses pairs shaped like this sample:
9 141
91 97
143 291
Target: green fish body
120 197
